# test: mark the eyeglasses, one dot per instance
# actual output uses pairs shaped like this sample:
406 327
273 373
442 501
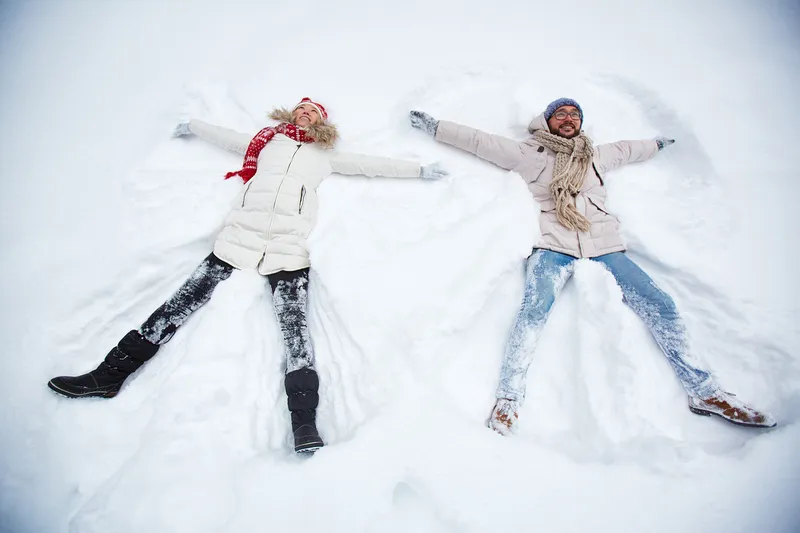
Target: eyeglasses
561 115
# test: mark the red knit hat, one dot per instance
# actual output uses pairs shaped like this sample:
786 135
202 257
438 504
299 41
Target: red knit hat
309 101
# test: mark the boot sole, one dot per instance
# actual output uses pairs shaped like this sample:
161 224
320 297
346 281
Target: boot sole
702 412
309 448
70 394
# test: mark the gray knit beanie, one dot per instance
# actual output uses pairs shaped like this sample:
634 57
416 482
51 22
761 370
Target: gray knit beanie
555 104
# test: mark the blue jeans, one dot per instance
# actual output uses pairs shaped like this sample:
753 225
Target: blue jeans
546 274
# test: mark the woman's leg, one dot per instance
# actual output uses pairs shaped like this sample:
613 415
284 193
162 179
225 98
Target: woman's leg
193 294
290 297
138 346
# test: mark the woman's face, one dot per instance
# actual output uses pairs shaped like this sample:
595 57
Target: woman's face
305 115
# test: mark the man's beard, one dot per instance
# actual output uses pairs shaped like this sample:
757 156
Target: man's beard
575 132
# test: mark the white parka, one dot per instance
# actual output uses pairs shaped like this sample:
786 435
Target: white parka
276 210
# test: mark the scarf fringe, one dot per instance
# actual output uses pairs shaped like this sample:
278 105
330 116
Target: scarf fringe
245 173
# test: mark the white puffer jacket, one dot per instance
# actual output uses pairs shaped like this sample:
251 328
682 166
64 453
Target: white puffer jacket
277 208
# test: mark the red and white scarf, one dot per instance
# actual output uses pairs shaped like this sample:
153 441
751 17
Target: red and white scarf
260 141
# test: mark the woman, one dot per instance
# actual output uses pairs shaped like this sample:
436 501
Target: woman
565 172
267 230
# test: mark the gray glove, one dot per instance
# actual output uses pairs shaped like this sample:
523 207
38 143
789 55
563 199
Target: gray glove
181 130
663 141
433 171
424 122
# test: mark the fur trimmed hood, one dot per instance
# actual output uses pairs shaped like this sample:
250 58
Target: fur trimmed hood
324 133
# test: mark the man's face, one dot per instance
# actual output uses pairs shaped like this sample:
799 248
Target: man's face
565 122
305 115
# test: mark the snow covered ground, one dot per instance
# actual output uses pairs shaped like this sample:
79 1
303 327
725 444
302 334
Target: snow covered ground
415 285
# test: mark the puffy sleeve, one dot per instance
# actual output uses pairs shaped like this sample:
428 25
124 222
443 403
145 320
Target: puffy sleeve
614 155
373 166
504 152
231 140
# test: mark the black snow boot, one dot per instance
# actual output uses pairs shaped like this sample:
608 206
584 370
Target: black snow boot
302 388
105 380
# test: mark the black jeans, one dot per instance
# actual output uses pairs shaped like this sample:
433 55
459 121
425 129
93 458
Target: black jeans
290 296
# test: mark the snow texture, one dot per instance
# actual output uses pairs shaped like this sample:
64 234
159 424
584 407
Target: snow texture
415 284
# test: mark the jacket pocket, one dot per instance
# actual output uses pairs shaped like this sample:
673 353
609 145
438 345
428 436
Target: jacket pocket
302 200
602 210
244 193
547 204
598 206
531 168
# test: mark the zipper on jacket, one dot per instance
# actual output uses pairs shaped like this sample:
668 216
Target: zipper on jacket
278 193
302 200
291 161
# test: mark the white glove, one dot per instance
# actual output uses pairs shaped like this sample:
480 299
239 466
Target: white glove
433 171
181 130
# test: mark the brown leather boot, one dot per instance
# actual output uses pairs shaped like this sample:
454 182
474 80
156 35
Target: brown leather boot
725 405
504 416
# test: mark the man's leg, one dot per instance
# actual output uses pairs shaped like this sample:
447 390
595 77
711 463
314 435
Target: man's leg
545 275
138 346
290 297
659 313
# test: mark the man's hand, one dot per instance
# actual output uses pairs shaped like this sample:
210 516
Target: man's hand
181 130
663 141
424 122
432 172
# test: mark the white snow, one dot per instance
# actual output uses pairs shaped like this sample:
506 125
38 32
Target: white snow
414 286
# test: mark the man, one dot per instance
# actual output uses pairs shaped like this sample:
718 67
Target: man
564 172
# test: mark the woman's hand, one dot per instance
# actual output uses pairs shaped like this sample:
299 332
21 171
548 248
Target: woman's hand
181 130
433 171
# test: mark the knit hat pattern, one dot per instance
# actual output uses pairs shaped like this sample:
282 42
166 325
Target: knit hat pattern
561 102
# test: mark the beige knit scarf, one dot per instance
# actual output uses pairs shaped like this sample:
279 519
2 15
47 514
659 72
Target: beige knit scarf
573 159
